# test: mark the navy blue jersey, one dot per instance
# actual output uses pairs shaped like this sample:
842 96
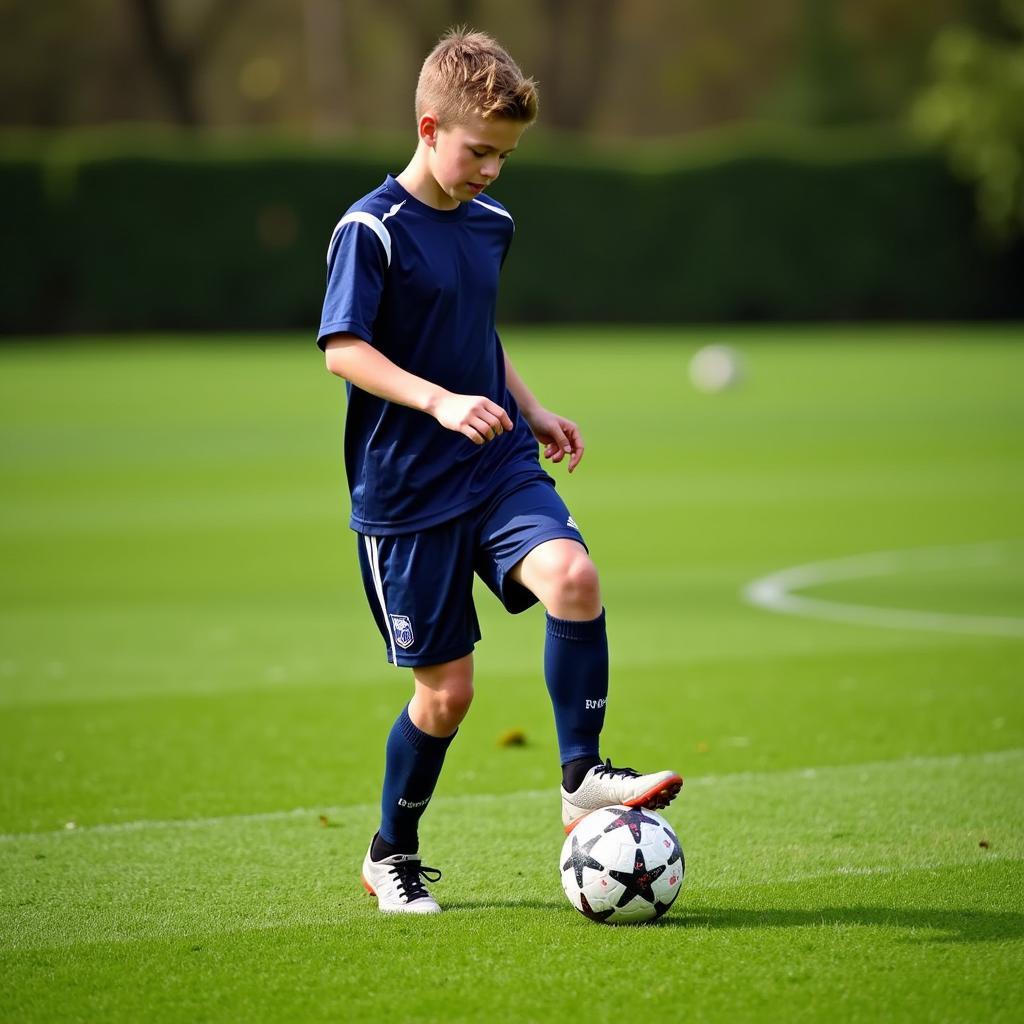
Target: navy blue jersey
420 285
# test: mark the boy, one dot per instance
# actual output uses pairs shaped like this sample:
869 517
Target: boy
441 451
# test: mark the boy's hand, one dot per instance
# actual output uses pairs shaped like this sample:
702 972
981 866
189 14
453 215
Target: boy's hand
475 416
559 436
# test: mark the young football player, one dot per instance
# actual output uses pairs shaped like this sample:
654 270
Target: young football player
441 452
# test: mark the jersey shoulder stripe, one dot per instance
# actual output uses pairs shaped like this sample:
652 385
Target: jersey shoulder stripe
495 209
375 224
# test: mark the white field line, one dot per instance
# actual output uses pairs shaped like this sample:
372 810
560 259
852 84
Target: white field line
775 592
733 778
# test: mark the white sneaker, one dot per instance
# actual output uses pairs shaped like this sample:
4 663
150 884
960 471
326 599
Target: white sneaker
397 882
604 786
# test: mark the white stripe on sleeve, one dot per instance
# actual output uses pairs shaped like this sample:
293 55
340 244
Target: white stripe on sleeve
373 223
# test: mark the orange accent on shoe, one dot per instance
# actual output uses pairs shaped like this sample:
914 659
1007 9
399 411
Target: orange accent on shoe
572 824
655 798
366 885
670 788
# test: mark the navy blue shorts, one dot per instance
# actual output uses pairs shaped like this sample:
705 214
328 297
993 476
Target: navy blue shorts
420 585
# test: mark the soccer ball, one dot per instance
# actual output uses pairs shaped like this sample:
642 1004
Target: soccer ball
622 865
715 368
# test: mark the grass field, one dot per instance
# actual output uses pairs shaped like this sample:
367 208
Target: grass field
189 680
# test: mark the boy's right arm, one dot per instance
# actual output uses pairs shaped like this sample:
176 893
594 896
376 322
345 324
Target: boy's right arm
474 416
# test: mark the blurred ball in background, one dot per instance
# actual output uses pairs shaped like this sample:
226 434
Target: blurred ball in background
715 368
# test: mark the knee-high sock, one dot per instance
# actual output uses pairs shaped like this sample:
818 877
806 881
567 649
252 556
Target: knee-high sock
576 671
412 766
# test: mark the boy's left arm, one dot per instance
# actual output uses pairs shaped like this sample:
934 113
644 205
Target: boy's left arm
559 436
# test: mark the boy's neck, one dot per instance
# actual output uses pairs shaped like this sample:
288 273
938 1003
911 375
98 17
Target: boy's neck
420 183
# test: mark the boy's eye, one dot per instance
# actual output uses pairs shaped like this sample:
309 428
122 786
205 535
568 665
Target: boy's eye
477 153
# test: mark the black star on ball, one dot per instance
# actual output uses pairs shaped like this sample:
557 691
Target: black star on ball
637 882
632 819
580 859
595 915
660 908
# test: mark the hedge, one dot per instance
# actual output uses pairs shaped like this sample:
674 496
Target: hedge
34 278
136 235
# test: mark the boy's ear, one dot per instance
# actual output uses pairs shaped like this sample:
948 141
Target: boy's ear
428 129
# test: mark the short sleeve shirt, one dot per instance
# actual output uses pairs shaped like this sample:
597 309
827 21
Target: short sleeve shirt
420 285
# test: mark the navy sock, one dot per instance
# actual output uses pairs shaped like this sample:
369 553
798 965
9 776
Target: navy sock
576 671
575 771
412 766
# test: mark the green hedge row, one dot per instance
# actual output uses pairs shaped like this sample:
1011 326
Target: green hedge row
139 235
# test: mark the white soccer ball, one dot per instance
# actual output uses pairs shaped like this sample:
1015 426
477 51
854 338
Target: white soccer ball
715 368
622 865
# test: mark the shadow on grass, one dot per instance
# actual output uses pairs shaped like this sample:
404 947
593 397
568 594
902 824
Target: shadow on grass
951 925
919 925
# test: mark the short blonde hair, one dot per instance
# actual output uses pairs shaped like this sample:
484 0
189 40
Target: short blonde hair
469 73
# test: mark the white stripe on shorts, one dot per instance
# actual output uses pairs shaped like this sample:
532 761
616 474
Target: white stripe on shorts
374 559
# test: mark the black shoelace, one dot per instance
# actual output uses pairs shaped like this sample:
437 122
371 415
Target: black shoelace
608 769
408 877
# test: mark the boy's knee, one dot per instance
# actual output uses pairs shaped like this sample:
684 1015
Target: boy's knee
442 699
572 585
452 701
578 580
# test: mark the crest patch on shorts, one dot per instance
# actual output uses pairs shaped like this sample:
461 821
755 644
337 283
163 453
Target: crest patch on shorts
401 626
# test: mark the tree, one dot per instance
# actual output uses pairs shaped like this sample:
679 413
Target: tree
175 62
974 108
579 48
824 86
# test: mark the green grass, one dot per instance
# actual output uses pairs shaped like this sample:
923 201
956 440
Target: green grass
188 673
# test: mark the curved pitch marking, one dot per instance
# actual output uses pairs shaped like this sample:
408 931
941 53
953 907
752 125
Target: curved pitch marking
775 592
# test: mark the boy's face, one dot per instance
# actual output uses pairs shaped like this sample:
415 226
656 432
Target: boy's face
466 158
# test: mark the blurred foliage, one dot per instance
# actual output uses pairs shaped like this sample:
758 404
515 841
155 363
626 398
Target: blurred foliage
974 108
824 85
616 68
166 231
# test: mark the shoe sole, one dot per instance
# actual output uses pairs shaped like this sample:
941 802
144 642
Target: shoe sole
654 799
